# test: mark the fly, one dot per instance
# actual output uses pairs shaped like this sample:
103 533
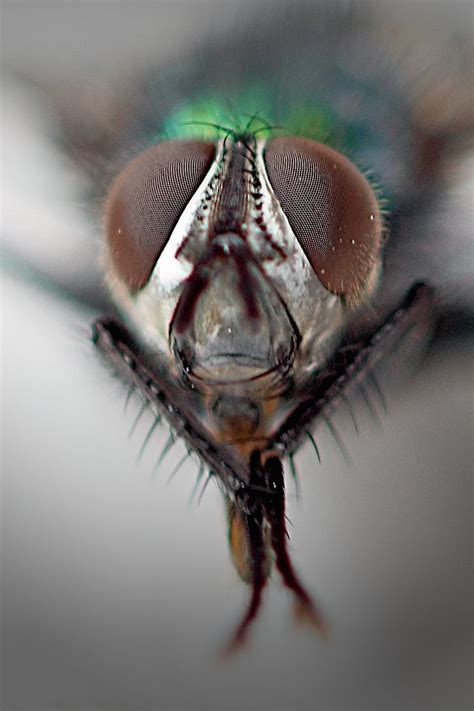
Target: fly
262 243
239 264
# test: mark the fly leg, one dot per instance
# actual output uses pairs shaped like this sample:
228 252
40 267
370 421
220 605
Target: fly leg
257 573
305 608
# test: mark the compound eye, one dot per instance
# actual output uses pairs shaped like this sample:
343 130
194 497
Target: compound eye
332 211
146 201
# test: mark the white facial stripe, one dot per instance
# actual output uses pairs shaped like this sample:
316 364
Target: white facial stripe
281 257
171 270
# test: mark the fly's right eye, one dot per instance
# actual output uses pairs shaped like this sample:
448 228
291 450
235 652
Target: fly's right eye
146 201
332 211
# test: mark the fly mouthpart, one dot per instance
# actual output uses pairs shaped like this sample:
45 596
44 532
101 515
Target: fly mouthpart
239 329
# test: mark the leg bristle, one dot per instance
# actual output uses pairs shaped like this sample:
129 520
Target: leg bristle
153 427
205 485
351 412
178 467
315 446
376 386
337 438
294 475
137 419
370 408
169 443
130 392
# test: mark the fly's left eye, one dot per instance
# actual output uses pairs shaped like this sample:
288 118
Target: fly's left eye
146 201
332 211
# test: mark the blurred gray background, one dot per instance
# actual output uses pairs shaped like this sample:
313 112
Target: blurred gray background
116 591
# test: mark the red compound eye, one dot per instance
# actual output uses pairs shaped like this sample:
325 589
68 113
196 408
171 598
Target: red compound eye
146 201
332 211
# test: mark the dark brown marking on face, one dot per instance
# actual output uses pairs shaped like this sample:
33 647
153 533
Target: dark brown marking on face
230 208
198 281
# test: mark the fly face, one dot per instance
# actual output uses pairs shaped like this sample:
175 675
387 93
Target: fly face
239 263
234 280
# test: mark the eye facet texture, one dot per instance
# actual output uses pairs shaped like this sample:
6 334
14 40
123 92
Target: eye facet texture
332 211
146 201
